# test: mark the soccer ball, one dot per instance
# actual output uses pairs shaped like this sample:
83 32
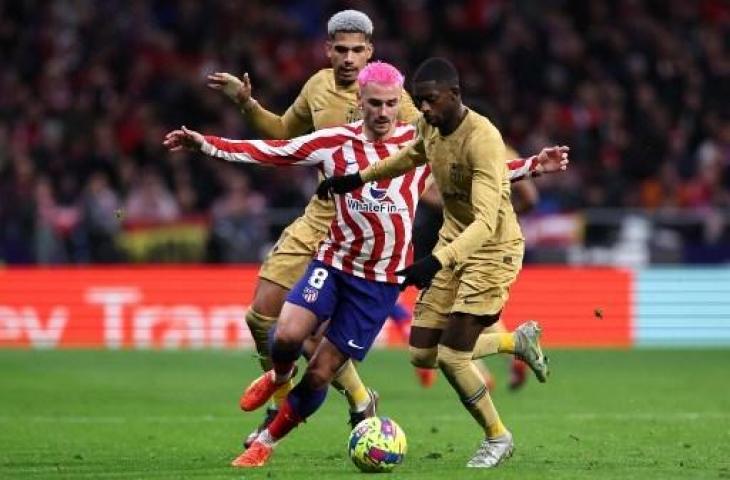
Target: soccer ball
377 444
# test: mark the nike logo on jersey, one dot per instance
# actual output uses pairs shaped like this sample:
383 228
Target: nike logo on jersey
352 344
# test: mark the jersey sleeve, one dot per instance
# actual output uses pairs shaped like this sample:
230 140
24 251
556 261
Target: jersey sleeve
520 168
408 158
297 119
486 158
407 111
307 150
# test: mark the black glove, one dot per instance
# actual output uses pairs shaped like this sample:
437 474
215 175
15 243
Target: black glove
420 273
342 184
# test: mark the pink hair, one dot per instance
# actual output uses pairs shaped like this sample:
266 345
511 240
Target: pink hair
381 73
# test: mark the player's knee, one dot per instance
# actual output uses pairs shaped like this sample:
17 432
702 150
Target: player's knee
268 298
285 339
284 347
423 357
451 361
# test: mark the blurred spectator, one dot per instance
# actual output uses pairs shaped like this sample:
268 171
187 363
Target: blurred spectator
100 206
238 227
55 225
150 201
639 89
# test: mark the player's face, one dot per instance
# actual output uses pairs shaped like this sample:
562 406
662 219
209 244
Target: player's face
349 53
436 101
379 105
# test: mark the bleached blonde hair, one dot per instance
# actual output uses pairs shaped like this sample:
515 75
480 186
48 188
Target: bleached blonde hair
350 21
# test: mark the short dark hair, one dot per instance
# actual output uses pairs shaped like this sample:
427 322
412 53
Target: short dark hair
437 70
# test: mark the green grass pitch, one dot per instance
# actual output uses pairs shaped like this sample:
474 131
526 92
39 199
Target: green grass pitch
603 414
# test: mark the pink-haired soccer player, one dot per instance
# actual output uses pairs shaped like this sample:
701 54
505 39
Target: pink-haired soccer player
352 280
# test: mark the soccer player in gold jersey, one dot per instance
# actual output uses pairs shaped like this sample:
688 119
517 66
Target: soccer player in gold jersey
477 258
524 198
328 99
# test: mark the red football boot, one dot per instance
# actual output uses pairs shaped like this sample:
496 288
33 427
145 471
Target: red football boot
260 391
256 456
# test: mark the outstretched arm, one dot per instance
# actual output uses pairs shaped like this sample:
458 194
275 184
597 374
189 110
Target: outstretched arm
305 150
549 160
295 121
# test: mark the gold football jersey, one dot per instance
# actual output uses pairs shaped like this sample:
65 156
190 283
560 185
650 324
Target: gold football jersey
469 168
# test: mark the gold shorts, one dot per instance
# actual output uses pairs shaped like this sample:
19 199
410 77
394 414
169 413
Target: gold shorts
478 286
289 257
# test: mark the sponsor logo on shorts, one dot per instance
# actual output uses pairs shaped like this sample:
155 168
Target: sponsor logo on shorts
310 294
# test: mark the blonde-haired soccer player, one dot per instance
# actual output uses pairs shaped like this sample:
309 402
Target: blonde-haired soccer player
478 256
328 99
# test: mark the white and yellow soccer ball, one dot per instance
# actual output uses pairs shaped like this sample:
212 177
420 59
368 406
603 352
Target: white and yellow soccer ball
377 444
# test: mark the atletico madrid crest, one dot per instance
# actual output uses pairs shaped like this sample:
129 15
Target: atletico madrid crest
310 294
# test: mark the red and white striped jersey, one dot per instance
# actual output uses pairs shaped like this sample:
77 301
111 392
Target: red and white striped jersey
370 236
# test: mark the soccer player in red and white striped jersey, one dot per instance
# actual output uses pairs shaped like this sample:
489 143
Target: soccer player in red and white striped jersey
353 280
370 235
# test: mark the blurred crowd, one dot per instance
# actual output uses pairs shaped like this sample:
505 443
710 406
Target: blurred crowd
640 90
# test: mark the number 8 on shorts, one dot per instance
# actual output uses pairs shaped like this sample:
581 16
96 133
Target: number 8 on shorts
319 275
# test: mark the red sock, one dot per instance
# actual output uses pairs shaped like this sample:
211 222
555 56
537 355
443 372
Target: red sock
284 422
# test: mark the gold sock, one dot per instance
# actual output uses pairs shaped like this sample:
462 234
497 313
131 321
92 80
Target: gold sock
493 343
260 326
506 342
348 382
464 377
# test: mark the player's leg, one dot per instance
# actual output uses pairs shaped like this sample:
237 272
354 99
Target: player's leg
517 368
361 310
282 268
294 326
301 402
312 299
363 401
422 347
484 282
523 343
260 318
455 361
262 315
285 265
430 317
487 277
